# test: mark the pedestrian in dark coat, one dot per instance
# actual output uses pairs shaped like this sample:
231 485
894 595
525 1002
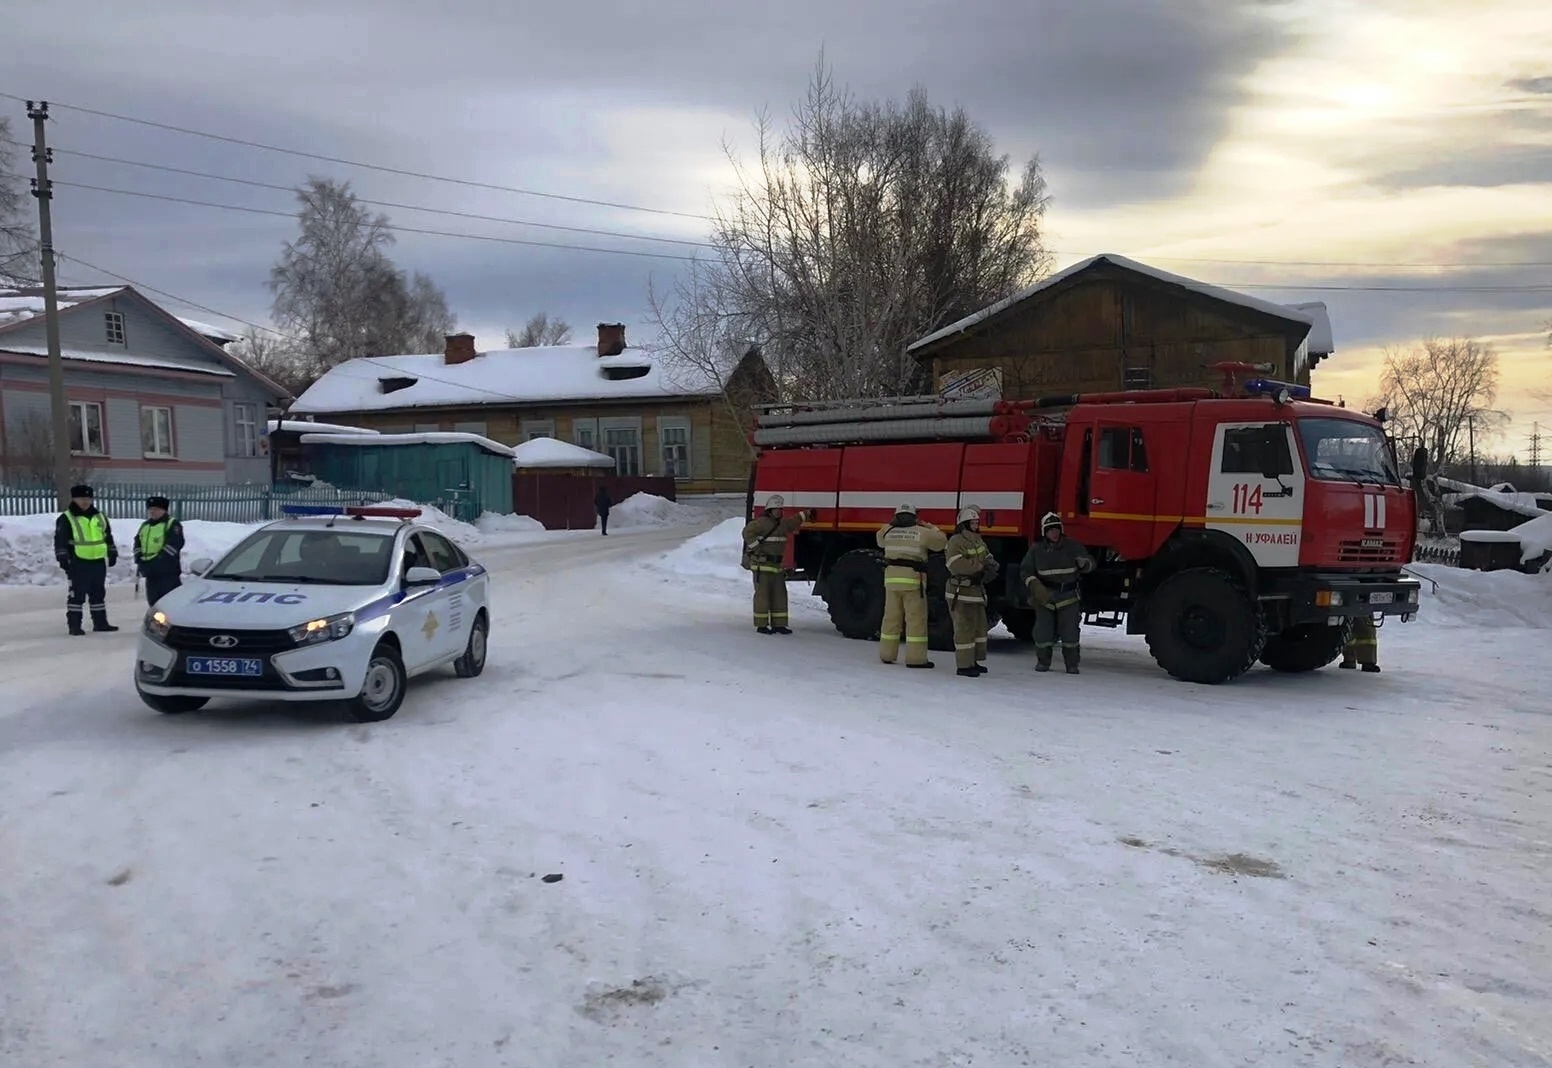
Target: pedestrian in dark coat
83 545
602 502
159 550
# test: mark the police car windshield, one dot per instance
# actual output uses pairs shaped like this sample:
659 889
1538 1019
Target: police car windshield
1343 450
324 556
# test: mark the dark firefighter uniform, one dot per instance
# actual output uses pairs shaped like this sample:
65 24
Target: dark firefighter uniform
906 543
1363 646
765 543
83 545
159 550
970 569
1050 571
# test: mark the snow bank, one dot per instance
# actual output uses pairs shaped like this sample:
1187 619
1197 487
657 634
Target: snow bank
1483 598
650 510
1535 538
495 525
27 547
714 554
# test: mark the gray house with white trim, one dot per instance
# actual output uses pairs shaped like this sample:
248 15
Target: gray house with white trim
153 398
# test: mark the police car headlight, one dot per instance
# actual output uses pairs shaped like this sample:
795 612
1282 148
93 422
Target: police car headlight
324 630
157 624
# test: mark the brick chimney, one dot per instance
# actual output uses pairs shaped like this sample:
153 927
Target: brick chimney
460 349
611 339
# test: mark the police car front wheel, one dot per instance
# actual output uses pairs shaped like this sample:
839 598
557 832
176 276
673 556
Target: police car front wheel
382 689
472 662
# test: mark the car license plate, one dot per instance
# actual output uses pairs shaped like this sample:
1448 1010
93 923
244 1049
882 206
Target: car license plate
1381 598
224 665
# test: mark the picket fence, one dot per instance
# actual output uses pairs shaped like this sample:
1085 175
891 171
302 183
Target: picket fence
223 504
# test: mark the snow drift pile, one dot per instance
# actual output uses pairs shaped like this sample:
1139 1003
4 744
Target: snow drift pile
650 510
712 555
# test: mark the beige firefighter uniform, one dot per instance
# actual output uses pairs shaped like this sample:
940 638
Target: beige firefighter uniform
970 568
906 544
1363 646
765 542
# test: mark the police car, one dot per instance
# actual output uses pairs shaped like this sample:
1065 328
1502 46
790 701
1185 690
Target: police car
329 604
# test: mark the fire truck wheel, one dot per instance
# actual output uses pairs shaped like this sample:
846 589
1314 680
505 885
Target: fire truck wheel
1203 626
854 594
1304 648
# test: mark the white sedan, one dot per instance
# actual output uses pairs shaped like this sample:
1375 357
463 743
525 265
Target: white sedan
346 606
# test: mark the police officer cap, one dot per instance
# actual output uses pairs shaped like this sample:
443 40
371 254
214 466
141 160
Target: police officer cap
158 502
80 491
906 509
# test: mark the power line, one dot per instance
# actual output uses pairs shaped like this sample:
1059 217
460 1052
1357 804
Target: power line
376 203
470 183
173 296
390 226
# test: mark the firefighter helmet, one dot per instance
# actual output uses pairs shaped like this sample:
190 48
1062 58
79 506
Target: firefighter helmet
969 514
1049 520
773 502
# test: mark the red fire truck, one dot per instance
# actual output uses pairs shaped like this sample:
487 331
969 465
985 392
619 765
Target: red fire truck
1230 526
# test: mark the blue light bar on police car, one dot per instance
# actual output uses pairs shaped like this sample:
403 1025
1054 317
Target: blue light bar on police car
1270 387
311 509
364 511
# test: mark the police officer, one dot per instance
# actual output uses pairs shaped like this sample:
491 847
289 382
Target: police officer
1363 646
906 543
159 550
971 568
83 545
1050 572
765 543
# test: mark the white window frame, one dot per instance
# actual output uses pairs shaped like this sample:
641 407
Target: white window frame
578 426
113 323
78 410
528 429
630 425
676 423
245 429
153 449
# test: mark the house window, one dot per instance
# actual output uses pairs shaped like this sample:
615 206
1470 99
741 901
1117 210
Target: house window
86 438
428 428
470 428
1121 449
246 423
624 444
584 432
1138 378
674 437
115 324
156 431
1256 450
536 428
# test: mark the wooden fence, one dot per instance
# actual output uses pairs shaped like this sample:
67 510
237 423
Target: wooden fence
565 501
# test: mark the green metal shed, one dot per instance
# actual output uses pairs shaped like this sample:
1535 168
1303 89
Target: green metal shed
464 475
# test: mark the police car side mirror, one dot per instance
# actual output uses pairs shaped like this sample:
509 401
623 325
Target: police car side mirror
200 566
422 576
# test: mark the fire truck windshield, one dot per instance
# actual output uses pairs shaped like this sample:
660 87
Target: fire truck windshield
1343 450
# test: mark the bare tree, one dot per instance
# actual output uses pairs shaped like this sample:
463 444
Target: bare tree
1440 395
337 291
862 228
19 263
540 330
29 453
275 356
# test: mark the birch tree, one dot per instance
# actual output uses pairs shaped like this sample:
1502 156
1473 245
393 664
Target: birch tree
540 329
1440 395
859 229
19 264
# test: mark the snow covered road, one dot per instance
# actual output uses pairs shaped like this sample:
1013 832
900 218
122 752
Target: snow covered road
776 851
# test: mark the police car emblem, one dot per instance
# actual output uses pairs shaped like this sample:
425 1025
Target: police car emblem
223 641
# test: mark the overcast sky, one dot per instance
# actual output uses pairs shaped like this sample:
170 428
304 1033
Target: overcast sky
1242 142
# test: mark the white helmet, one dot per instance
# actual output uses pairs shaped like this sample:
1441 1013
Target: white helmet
1049 520
969 514
774 501
906 509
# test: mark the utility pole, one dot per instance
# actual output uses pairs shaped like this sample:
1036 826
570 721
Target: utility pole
1535 445
44 191
1471 438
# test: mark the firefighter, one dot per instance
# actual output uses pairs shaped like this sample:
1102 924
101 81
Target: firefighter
1050 571
1363 646
159 550
765 543
83 545
906 542
971 568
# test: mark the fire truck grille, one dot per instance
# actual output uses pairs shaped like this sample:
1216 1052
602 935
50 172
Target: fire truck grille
1369 551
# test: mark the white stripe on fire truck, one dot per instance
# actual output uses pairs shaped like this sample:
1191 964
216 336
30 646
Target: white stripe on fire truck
993 501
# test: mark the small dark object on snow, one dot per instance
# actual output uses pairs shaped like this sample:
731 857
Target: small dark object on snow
121 878
553 877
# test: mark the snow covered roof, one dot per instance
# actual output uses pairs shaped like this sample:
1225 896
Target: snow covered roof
1526 504
428 438
1320 339
546 373
548 452
1229 296
303 426
214 333
19 305
90 356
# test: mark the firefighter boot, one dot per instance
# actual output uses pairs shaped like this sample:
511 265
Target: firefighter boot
1373 669
1347 664
969 673
1070 658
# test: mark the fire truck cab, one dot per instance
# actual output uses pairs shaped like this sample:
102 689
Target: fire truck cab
1227 529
